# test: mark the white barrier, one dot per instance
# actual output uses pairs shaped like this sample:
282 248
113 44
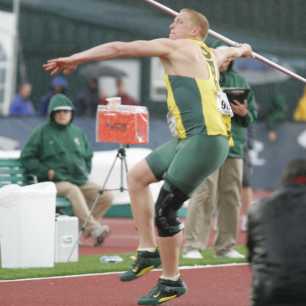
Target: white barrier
101 164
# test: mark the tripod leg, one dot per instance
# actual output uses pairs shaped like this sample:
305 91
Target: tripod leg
123 168
110 170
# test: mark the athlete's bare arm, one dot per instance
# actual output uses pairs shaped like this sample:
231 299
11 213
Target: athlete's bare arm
158 47
231 53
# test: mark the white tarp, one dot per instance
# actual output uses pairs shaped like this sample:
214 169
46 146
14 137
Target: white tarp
7 36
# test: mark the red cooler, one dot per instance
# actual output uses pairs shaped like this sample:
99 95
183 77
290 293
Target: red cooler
123 124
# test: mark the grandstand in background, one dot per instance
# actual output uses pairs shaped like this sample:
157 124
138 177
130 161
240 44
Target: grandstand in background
54 28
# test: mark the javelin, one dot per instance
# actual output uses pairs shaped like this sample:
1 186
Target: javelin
233 43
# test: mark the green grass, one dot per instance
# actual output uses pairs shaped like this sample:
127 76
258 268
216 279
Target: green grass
92 264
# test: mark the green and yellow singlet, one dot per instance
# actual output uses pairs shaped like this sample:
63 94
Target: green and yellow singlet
193 102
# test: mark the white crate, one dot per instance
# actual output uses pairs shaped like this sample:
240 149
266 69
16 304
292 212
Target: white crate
27 225
66 239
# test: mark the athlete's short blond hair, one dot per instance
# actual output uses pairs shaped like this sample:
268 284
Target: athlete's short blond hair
199 20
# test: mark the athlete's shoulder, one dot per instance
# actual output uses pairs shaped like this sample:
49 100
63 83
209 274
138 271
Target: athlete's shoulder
166 43
179 41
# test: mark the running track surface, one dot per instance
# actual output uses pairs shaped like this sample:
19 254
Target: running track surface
221 286
123 238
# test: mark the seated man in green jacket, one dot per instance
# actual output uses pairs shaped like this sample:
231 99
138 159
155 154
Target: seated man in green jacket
59 151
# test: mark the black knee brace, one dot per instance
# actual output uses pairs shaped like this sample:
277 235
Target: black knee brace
166 207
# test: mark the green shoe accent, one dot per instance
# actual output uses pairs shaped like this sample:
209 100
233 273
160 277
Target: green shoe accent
164 291
144 263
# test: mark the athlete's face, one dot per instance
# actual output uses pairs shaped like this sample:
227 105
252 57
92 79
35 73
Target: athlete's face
181 27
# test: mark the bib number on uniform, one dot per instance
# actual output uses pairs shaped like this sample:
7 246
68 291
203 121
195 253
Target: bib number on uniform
223 105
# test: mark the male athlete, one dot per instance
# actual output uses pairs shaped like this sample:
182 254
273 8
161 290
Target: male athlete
201 115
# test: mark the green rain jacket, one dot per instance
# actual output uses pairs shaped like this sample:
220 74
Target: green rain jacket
230 78
65 149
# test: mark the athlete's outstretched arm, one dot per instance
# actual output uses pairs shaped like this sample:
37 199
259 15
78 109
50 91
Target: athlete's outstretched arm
231 53
141 48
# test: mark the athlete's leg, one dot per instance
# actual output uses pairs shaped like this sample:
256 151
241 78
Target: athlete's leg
169 228
186 171
191 164
169 248
139 179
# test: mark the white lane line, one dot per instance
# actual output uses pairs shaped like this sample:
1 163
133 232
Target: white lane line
119 272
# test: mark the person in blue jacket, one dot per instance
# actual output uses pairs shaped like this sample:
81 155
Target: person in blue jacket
21 104
59 85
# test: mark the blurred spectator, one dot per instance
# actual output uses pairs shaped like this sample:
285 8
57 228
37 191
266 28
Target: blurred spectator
21 104
59 151
247 190
274 113
300 111
276 116
276 242
88 99
220 194
121 91
59 85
